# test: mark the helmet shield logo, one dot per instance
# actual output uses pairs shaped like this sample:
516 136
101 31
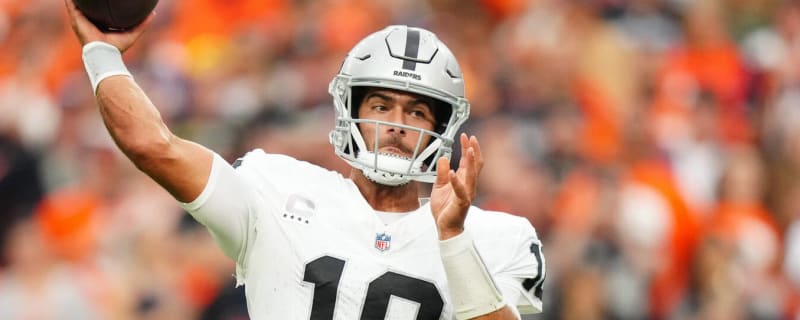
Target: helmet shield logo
412 46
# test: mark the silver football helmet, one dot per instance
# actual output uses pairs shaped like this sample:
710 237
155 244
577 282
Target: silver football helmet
401 58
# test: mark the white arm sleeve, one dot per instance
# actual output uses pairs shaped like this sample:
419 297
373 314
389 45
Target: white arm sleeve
224 207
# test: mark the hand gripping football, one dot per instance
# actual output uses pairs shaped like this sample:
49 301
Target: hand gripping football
116 15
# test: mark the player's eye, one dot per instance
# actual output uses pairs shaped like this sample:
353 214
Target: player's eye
419 113
380 108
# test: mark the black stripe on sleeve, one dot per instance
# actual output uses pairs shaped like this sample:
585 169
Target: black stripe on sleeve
536 282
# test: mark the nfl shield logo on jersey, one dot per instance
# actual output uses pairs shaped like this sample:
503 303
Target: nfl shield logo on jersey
383 241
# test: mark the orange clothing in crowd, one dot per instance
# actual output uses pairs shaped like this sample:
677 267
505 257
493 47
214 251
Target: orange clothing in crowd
502 9
576 203
341 26
718 69
67 219
601 132
671 281
752 228
222 18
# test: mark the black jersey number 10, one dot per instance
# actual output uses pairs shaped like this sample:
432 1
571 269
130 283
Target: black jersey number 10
325 272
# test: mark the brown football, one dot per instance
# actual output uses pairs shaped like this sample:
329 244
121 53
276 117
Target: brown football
116 15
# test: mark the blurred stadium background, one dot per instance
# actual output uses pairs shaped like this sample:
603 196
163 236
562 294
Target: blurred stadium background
654 144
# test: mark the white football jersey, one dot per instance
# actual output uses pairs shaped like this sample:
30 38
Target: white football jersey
308 246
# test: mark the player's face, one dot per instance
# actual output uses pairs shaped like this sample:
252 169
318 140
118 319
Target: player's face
398 107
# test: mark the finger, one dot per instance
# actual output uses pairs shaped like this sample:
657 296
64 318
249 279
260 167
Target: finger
464 143
478 154
467 164
84 29
459 188
464 162
470 171
442 169
73 13
70 6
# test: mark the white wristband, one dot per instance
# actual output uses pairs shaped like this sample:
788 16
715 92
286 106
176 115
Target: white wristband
101 61
472 288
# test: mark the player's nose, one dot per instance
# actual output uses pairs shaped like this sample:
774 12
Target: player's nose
397 116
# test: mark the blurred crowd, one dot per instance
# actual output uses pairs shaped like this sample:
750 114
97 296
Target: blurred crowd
654 145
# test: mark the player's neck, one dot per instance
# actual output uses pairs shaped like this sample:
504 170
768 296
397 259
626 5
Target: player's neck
403 198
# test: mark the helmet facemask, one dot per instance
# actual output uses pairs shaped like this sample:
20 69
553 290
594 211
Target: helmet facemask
437 78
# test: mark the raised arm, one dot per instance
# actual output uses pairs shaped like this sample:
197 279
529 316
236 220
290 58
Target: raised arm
180 166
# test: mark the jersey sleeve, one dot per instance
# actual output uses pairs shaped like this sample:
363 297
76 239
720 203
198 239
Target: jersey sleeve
521 281
513 254
255 186
225 207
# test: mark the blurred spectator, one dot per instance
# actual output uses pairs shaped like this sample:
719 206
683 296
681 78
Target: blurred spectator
653 143
791 254
741 222
20 185
35 285
229 305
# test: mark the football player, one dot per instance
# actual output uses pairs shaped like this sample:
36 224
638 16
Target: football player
310 243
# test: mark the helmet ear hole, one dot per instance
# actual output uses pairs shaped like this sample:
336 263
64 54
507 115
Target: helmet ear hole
441 113
356 98
357 94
